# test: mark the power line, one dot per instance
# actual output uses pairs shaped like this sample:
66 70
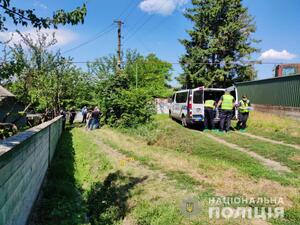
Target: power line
143 44
201 63
143 24
102 32
98 35
130 12
140 27
128 7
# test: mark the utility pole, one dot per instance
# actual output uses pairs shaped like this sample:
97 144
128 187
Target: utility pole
120 23
136 76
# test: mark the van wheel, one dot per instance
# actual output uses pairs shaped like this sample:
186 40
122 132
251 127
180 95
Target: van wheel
183 121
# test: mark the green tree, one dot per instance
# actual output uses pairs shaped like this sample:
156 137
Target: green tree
126 97
147 72
219 42
150 73
28 16
47 79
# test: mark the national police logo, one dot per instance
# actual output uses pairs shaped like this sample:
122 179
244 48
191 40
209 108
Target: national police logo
190 207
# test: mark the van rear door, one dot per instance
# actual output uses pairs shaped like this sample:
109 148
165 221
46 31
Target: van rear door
197 107
180 106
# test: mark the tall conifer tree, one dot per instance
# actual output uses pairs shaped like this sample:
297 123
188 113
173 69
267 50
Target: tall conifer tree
218 43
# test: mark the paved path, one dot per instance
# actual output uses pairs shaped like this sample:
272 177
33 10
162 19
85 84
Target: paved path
78 117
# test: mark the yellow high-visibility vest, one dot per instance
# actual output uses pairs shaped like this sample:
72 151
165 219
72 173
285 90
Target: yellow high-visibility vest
209 104
227 102
244 106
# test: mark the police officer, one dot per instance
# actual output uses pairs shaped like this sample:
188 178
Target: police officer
209 106
227 104
243 109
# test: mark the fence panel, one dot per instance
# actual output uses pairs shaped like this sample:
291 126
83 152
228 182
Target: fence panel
281 91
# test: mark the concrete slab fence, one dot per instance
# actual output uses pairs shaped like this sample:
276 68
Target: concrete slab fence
24 160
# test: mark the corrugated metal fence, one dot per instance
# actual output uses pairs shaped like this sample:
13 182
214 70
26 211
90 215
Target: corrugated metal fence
281 91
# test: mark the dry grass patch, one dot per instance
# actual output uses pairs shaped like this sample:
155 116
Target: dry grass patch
224 180
275 127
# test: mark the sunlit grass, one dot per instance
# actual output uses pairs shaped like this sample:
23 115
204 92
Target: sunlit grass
275 127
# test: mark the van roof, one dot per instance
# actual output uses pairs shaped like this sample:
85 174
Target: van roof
205 89
214 89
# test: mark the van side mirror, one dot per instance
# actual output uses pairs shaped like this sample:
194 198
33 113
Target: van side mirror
170 100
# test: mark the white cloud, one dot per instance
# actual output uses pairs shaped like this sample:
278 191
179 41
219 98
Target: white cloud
277 55
163 7
62 36
40 4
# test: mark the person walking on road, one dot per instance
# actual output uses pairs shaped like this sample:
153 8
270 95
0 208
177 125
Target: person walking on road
84 112
209 107
64 118
95 120
243 108
72 116
227 104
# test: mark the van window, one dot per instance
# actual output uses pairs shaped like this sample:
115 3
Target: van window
198 97
181 97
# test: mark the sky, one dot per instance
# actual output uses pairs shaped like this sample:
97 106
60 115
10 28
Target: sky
155 26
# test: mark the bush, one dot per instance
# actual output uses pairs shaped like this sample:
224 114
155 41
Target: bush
124 106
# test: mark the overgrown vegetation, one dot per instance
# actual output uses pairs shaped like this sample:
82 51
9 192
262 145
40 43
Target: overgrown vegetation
127 96
46 79
167 164
218 43
43 79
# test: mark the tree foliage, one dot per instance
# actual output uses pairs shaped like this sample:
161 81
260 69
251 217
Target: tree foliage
147 72
46 79
122 105
126 96
219 42
28 16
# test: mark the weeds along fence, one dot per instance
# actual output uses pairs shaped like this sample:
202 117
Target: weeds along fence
280 91
24 160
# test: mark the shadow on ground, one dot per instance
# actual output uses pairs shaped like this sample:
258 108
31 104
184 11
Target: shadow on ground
107 201
62 199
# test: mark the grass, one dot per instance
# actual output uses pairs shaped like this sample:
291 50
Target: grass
84 186
183 180
160 214
283 154
80 187
274 127
172 136
87 185
62 201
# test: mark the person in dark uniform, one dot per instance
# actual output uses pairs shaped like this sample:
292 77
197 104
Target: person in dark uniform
209 107
72 116
227 103
64 115
243 115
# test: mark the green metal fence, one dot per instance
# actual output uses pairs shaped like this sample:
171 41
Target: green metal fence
280 91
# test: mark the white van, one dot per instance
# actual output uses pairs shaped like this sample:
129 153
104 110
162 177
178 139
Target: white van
188 105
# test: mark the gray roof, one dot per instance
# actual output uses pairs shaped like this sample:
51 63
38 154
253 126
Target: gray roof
5 93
